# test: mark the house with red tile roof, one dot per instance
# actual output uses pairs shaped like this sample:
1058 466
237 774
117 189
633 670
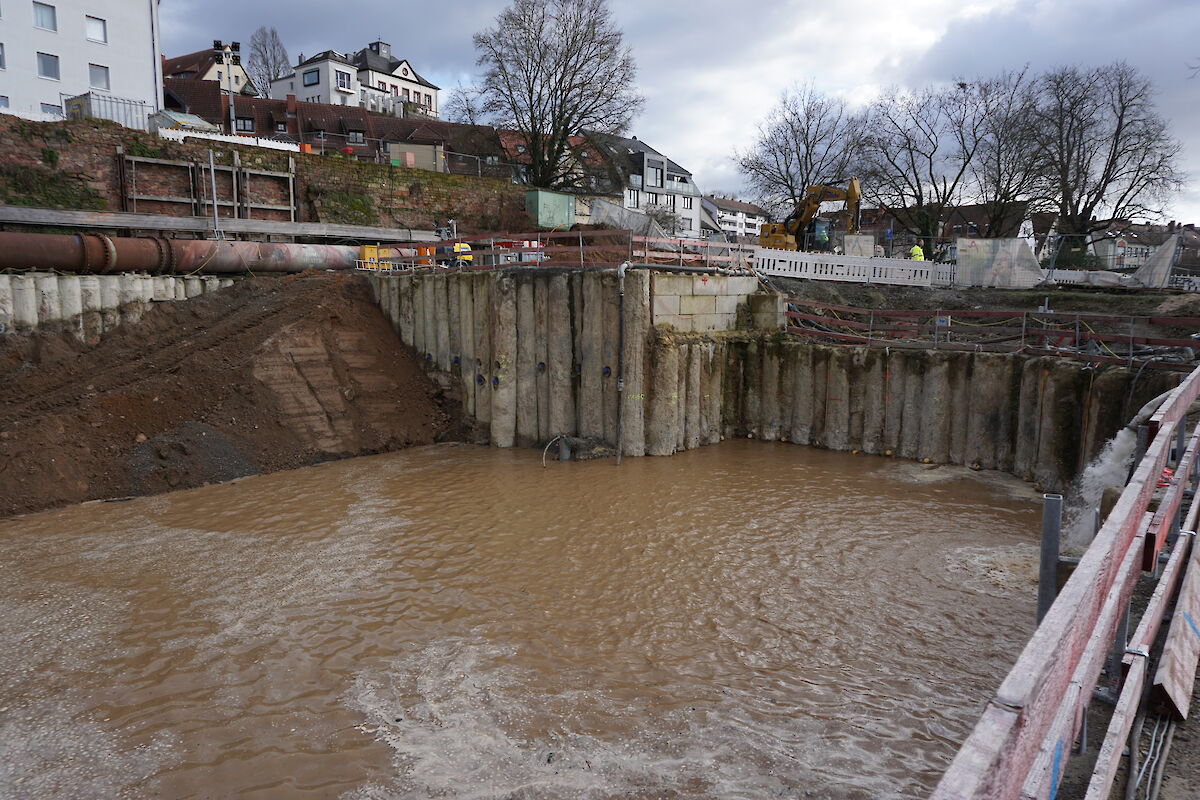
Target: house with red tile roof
352 130
202 66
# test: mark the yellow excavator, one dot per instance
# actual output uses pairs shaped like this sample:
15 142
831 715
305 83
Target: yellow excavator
802 230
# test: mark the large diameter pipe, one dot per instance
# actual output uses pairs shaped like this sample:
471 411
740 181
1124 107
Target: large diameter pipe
98 254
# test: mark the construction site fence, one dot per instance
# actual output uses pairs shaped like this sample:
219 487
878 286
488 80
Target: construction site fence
972 263
582 249
1021 744
1098 338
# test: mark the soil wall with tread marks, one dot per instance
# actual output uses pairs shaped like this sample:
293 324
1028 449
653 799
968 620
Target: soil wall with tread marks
268 374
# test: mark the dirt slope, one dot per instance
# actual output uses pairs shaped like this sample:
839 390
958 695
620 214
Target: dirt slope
269 374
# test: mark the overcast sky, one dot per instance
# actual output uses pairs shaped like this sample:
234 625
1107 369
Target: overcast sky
711 69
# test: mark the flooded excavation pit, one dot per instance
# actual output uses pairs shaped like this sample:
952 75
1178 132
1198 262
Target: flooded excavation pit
746 620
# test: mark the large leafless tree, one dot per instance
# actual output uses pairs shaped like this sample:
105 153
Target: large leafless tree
554 69
917 151
1108 151
1008 174
268 59
806 140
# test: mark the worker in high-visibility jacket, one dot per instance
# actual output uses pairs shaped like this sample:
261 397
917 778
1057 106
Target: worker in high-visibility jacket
916 253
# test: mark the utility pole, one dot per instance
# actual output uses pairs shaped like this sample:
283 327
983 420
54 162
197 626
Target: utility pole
230 56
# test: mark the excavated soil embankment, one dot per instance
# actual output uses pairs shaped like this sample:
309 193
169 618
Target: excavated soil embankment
269 374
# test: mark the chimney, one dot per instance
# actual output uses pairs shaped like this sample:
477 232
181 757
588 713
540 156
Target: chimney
291 105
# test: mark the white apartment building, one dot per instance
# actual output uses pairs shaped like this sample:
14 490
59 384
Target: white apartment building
735 217
654 182
56 49
371 78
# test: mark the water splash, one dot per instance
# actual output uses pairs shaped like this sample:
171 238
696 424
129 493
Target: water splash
1109 468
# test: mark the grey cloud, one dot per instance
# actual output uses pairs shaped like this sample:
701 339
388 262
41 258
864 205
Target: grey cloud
679 47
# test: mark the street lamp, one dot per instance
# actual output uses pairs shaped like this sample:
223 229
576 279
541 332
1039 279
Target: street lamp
230 55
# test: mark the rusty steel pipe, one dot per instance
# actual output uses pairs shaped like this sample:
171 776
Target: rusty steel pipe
93 253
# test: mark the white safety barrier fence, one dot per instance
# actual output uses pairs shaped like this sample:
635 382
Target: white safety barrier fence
249 141
848 269
988 263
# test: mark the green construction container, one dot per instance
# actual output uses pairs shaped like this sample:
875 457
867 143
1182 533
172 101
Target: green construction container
550 209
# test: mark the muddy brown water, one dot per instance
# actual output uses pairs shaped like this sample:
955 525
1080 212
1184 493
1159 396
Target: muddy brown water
746 620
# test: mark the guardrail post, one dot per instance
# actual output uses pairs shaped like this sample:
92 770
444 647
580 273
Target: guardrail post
1116 658
1048 570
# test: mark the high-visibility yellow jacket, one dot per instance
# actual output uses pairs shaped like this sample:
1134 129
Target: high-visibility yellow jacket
916 254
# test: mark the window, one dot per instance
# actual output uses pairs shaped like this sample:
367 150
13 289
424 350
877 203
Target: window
3 101
633 197
382 86
356 137
654 175
312 77
406 94
652 198
47 66
45 17
281 127
395 91
98 76
237 80
343 79
3 64
291 86
428 101
687 202
48 108
97 29
245 124
671 201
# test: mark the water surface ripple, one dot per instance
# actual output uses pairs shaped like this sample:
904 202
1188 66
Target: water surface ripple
740 621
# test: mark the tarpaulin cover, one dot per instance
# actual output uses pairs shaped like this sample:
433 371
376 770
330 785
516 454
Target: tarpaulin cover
1156 272
996 263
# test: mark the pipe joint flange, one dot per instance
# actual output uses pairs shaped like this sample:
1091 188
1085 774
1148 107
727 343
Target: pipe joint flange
110 253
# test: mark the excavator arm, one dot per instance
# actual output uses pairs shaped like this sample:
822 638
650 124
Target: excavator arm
807 209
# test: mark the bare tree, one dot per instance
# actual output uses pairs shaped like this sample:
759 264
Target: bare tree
1008 174
554 69
1109 152
917 151
806 140
465 105
268 59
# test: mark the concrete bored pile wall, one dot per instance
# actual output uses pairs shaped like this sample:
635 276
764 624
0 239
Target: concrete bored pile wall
90 305
536 354
1041 419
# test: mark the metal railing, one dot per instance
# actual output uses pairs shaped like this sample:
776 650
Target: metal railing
1021 743
591 249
